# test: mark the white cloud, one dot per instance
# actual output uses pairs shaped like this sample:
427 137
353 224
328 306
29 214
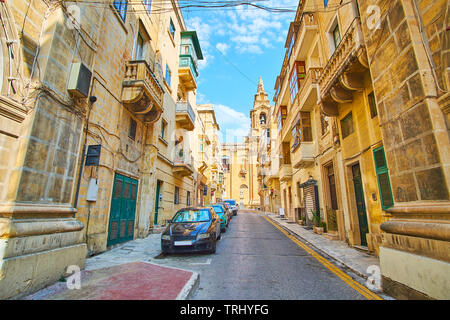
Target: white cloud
245 29
234 124
222 47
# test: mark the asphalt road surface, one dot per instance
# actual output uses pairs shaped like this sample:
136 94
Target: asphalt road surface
256 261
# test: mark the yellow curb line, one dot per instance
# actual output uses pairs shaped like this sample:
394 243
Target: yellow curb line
344 277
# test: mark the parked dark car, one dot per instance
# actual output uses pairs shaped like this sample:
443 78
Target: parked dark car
234 206
192 230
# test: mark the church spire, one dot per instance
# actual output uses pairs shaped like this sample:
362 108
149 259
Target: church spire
260 85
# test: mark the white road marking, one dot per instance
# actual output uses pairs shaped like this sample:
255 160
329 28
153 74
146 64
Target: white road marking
208 261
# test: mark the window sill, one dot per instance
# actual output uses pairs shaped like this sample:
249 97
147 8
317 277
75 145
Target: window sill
163 140
167 86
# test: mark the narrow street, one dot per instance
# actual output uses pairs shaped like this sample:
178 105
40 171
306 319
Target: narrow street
255 260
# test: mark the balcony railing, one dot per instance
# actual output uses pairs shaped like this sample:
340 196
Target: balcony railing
351 45
185 115
142 92
311 79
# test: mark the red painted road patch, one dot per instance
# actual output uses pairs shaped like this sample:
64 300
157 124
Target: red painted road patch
129 281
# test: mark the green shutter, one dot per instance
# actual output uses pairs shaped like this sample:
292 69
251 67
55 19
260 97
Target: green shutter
384 184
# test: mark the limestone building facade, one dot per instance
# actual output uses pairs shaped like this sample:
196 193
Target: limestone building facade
96 109
362 119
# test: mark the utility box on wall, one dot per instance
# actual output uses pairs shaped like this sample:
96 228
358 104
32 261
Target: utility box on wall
79 80
93 155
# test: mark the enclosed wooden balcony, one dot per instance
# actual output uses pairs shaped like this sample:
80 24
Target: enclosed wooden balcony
303 155
343 73
185 116
142 94
187 72
286 172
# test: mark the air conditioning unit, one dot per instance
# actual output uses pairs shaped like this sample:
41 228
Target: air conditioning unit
79 80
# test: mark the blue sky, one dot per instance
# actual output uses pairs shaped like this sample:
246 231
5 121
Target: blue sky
246 39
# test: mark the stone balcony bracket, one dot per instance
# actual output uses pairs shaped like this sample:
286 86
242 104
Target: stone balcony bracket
142 94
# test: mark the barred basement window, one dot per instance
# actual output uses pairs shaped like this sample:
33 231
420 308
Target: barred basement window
384 184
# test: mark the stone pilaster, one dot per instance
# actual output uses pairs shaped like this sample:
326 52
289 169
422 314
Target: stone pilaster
404 65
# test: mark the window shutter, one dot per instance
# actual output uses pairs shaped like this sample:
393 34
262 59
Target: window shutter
384 184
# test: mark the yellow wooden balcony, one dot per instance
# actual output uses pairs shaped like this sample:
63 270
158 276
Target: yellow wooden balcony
286 172
142 94
187 72
303 155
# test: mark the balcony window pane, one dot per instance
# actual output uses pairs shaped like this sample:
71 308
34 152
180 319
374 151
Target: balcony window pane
336 36
121 7
139 55
347 125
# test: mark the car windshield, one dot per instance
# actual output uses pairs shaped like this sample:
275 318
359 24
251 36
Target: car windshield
218 209
202 215
231 202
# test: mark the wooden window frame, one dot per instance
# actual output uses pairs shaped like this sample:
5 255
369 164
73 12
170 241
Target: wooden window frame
298 74
172 29
121 6
162 134
176 195
133 129
282 116
299 129
372 105
343 121
383 169
333 34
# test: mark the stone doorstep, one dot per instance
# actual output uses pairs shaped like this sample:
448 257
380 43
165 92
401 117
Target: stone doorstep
330 253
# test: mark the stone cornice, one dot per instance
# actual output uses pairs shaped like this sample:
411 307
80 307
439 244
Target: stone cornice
11 109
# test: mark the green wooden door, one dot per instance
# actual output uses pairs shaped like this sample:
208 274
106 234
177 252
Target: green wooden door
360 204
123 210
158 191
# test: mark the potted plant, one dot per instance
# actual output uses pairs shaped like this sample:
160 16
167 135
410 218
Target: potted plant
317 222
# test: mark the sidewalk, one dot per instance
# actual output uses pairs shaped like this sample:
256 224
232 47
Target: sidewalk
124 273
355 260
